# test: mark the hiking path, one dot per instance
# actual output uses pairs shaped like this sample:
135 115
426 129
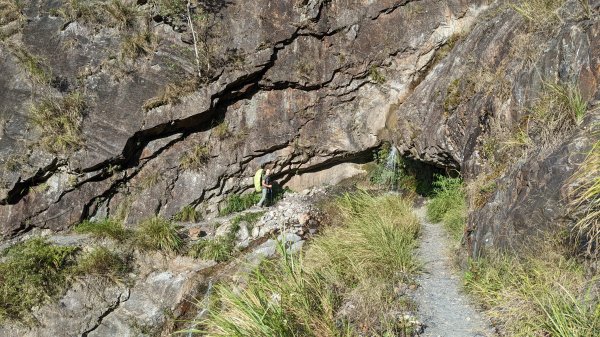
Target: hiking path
444 308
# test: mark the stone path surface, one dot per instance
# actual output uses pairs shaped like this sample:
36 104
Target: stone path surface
444 308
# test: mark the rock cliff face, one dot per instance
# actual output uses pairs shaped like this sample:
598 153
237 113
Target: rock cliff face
161 116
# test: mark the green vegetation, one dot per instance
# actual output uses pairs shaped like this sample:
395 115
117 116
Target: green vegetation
195 158
536 295
388 175
100 261
105 228
238 203
10 10
584 203
250 218
188 214
59 121
376 75
220 249
357 263
171 8
158 233
31 273
458 91
449 205
171 94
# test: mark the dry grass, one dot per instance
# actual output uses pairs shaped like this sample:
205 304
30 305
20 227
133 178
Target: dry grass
11 17
536 295
137 44
584 205
36 67
195 158
59 121
221 130
541 15
171 94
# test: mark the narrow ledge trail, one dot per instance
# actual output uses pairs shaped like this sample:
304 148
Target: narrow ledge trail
443 307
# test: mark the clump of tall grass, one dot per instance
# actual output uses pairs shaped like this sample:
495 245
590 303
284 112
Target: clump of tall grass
239 202
104 228
303 295
59 121
100 261
220 248
584 205
158 233
370 243
31 273
542 295
195 158
559 108
448 204
188 213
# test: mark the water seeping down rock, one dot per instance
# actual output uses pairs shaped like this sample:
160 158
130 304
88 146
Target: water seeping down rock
310 87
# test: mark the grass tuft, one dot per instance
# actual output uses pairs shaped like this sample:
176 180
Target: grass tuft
105 228
59 122
220 249
31 273
584 205
250 218
221 130
449 205
195 158
238 203
100 261
187 214
171 94
122 14
37 68
159 234
137 44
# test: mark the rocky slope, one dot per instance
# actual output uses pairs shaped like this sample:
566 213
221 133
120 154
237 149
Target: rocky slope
122 109
163 292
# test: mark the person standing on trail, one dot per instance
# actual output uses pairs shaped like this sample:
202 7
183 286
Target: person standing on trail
266 187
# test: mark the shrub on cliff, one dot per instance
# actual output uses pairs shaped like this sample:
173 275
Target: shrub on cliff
31 273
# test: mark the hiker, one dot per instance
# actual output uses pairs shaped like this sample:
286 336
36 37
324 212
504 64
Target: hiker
266 187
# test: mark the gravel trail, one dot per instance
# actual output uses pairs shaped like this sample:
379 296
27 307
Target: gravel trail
444 308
